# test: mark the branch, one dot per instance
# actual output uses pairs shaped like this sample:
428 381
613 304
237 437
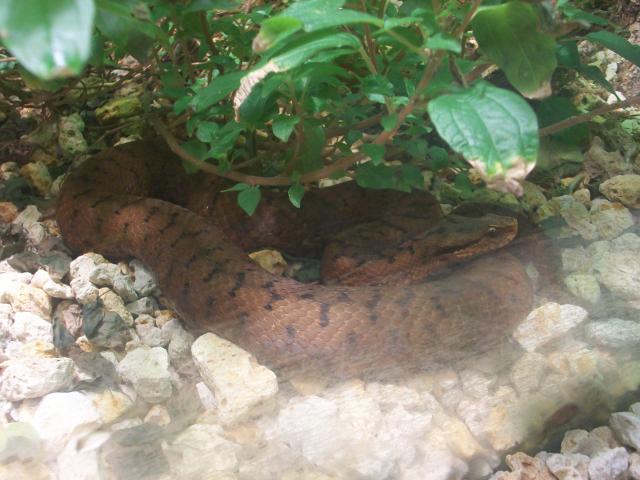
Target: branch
585 117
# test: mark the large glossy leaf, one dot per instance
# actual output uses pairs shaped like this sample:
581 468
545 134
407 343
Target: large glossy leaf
494 129
509 34
320 14
219 88
50 38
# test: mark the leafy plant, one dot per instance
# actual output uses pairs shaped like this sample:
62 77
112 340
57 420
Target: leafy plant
288 93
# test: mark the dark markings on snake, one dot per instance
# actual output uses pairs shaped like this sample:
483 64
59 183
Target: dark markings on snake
352 338
192 259
306 296
173 218
81 193
343 297
375 299
152 211
214 269
125 227
106 198
405 298
373 317
291 331
324 314
268 307
238 285
391 259
185 287
211 301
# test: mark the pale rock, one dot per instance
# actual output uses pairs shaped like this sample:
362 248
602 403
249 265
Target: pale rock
576 215
164 317
29 326
575 259
597 250
9 279
201 451
149 334
56 425
619 272
26 298
528 371
28 216
207 399
113 302
56 289
238 382
614 333
635 408
624 189
583 195
82 266
572 466
634 466
103 274
111 404
32 377
158 415
147 369
80 460
494 418
546 323
600 162
27 471
180 348
609 464
84 291
70 138
584 286
70 316
477 384
435 465
123 286
627 241
533 196
626 427
600 439
143 305
19 442
144 282
610 219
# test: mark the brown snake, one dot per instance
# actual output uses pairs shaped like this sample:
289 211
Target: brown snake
110 205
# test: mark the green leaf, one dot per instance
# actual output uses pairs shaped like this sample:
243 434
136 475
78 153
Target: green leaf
283 125
224 139
312 44
389 122
219 88
573 13
555 109
249 198
568 56
296 192
510 36
441 41
369 175
238 187
274 30
320 14
198 150
311 151
490 126
617 44
50 38
374 151
206 131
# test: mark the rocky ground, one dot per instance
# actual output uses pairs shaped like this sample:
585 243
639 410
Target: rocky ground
100 381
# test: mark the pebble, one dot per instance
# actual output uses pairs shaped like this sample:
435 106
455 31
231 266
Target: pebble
54 423
611 219
8 212
82 460
147 369
238 382
70 137
584 286
29 326
103 326
614 333
70 316
573 466
546 323
149 334
19 441
609 464
42 279
624 189
528 371
146 305
634 466
33 377
111 301
202 451
144 281
619 272
26 298
123 286
576 215
626 426
38 175
103 274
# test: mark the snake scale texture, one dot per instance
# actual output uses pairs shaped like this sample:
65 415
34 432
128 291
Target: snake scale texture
124 203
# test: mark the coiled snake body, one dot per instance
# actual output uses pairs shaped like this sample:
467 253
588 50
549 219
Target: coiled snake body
111 205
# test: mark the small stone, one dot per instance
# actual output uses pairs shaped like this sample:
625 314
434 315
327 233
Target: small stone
38 175
202 451
546 323
26 298
610 219
180 348
619 272
8 212
81 460
46 158
84 265
70 315
572 466
237 380
528 467
577 216
599 162
34 377
70 137
84 291
54 423
103 274
19 441
634 466
583 195
143 305
144 282
42 279
584 286
103 326
207 399
119 108
614 333
28 216
624 189
111 405
609 465
28 327
123 286
627 241
626 427
149 334
528 371
158 415
113 302
575 260
599 440
476 383
147 369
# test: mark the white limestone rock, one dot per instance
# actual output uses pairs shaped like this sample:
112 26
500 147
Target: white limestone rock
626 426
32 377
584 286
28 327
147 369
238 382
610 218
614 333
546 323
609 464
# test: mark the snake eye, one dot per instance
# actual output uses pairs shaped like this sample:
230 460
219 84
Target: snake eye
492 230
